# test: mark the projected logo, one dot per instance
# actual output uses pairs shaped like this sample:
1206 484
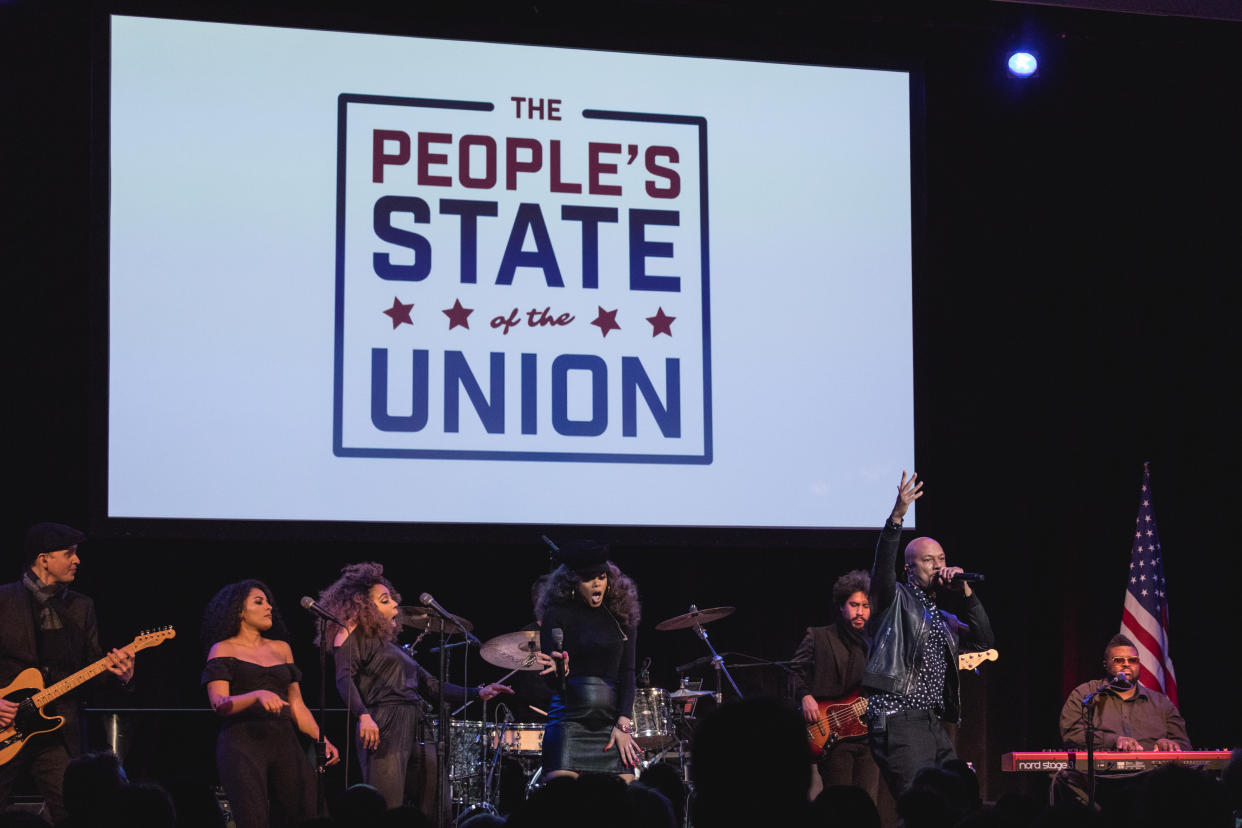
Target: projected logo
521 279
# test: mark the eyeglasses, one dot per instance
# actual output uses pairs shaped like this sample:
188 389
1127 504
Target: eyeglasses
1119 661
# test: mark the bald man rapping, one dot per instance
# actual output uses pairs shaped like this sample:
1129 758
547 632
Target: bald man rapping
911 676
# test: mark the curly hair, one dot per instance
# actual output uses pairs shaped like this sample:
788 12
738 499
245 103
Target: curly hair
561 587
349 599
222 618
858 580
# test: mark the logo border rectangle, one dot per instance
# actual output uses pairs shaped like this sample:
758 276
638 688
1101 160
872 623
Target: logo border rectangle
338 447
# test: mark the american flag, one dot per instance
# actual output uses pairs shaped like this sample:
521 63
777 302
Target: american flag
1145 614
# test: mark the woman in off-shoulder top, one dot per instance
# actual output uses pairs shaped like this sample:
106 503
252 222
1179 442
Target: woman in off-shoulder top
254 686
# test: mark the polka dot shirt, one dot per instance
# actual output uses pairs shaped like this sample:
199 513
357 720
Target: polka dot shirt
928 691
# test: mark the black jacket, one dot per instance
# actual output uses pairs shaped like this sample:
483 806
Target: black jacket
821 663
901 626
19 648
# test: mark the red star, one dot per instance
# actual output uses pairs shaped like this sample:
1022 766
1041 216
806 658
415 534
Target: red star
606 321
458 315
661 323
400 313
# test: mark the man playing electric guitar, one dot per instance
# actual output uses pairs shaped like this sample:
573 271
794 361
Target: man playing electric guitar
828 666
46 625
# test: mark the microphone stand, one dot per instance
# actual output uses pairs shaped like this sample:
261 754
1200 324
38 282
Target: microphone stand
442 734
321 744
1088 712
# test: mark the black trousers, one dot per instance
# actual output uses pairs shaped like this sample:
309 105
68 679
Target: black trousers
906 741
47 756
403 768
851 763
266 775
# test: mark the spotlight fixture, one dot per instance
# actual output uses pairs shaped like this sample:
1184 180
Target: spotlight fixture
1022 64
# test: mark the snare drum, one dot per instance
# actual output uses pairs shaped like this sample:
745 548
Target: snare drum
652 719
521 739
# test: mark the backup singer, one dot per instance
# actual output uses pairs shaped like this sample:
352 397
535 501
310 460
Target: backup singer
253 685
45 624
911 677
596 607
383 688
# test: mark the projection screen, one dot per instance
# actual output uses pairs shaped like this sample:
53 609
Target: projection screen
360 277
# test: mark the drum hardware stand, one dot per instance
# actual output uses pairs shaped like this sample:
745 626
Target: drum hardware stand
443 780
717 662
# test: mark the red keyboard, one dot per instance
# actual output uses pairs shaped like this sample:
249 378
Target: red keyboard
1112 760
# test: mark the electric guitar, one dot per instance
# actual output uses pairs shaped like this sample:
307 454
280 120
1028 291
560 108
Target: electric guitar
842 718
31 697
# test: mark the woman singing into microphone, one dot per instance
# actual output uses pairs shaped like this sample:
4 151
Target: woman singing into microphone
383 687
588 612
253 685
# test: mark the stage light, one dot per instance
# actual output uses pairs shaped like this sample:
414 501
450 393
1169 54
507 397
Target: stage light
1022 64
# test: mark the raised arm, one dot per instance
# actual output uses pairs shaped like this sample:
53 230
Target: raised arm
884 570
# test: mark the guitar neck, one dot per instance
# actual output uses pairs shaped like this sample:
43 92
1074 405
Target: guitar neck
63 686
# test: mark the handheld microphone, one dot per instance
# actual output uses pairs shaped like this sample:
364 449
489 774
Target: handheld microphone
550 544
967 576
558 645
308 604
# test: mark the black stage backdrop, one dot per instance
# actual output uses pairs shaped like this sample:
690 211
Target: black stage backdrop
1074 311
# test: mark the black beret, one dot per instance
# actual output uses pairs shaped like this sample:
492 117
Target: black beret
49 537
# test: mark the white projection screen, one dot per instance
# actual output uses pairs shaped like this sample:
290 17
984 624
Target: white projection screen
376 278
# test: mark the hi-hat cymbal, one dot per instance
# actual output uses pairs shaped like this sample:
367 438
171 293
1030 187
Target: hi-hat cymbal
513 650
421 618
689 694
693 617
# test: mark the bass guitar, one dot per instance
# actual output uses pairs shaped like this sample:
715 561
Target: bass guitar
842 718
838 719
28 692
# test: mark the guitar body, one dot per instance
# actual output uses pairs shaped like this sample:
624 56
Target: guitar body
31 696
29 720
838 719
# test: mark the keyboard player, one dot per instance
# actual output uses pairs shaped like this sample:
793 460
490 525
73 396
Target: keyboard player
1127 716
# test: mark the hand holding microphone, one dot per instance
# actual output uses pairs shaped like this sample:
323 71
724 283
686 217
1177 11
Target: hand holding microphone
560 659
957 579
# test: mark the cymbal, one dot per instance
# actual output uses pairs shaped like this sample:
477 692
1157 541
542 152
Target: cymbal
421 618
689 694
695 616
512 650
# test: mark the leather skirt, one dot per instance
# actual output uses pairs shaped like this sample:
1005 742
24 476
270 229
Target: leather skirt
580 724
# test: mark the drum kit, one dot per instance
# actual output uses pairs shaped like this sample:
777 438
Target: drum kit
663 722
